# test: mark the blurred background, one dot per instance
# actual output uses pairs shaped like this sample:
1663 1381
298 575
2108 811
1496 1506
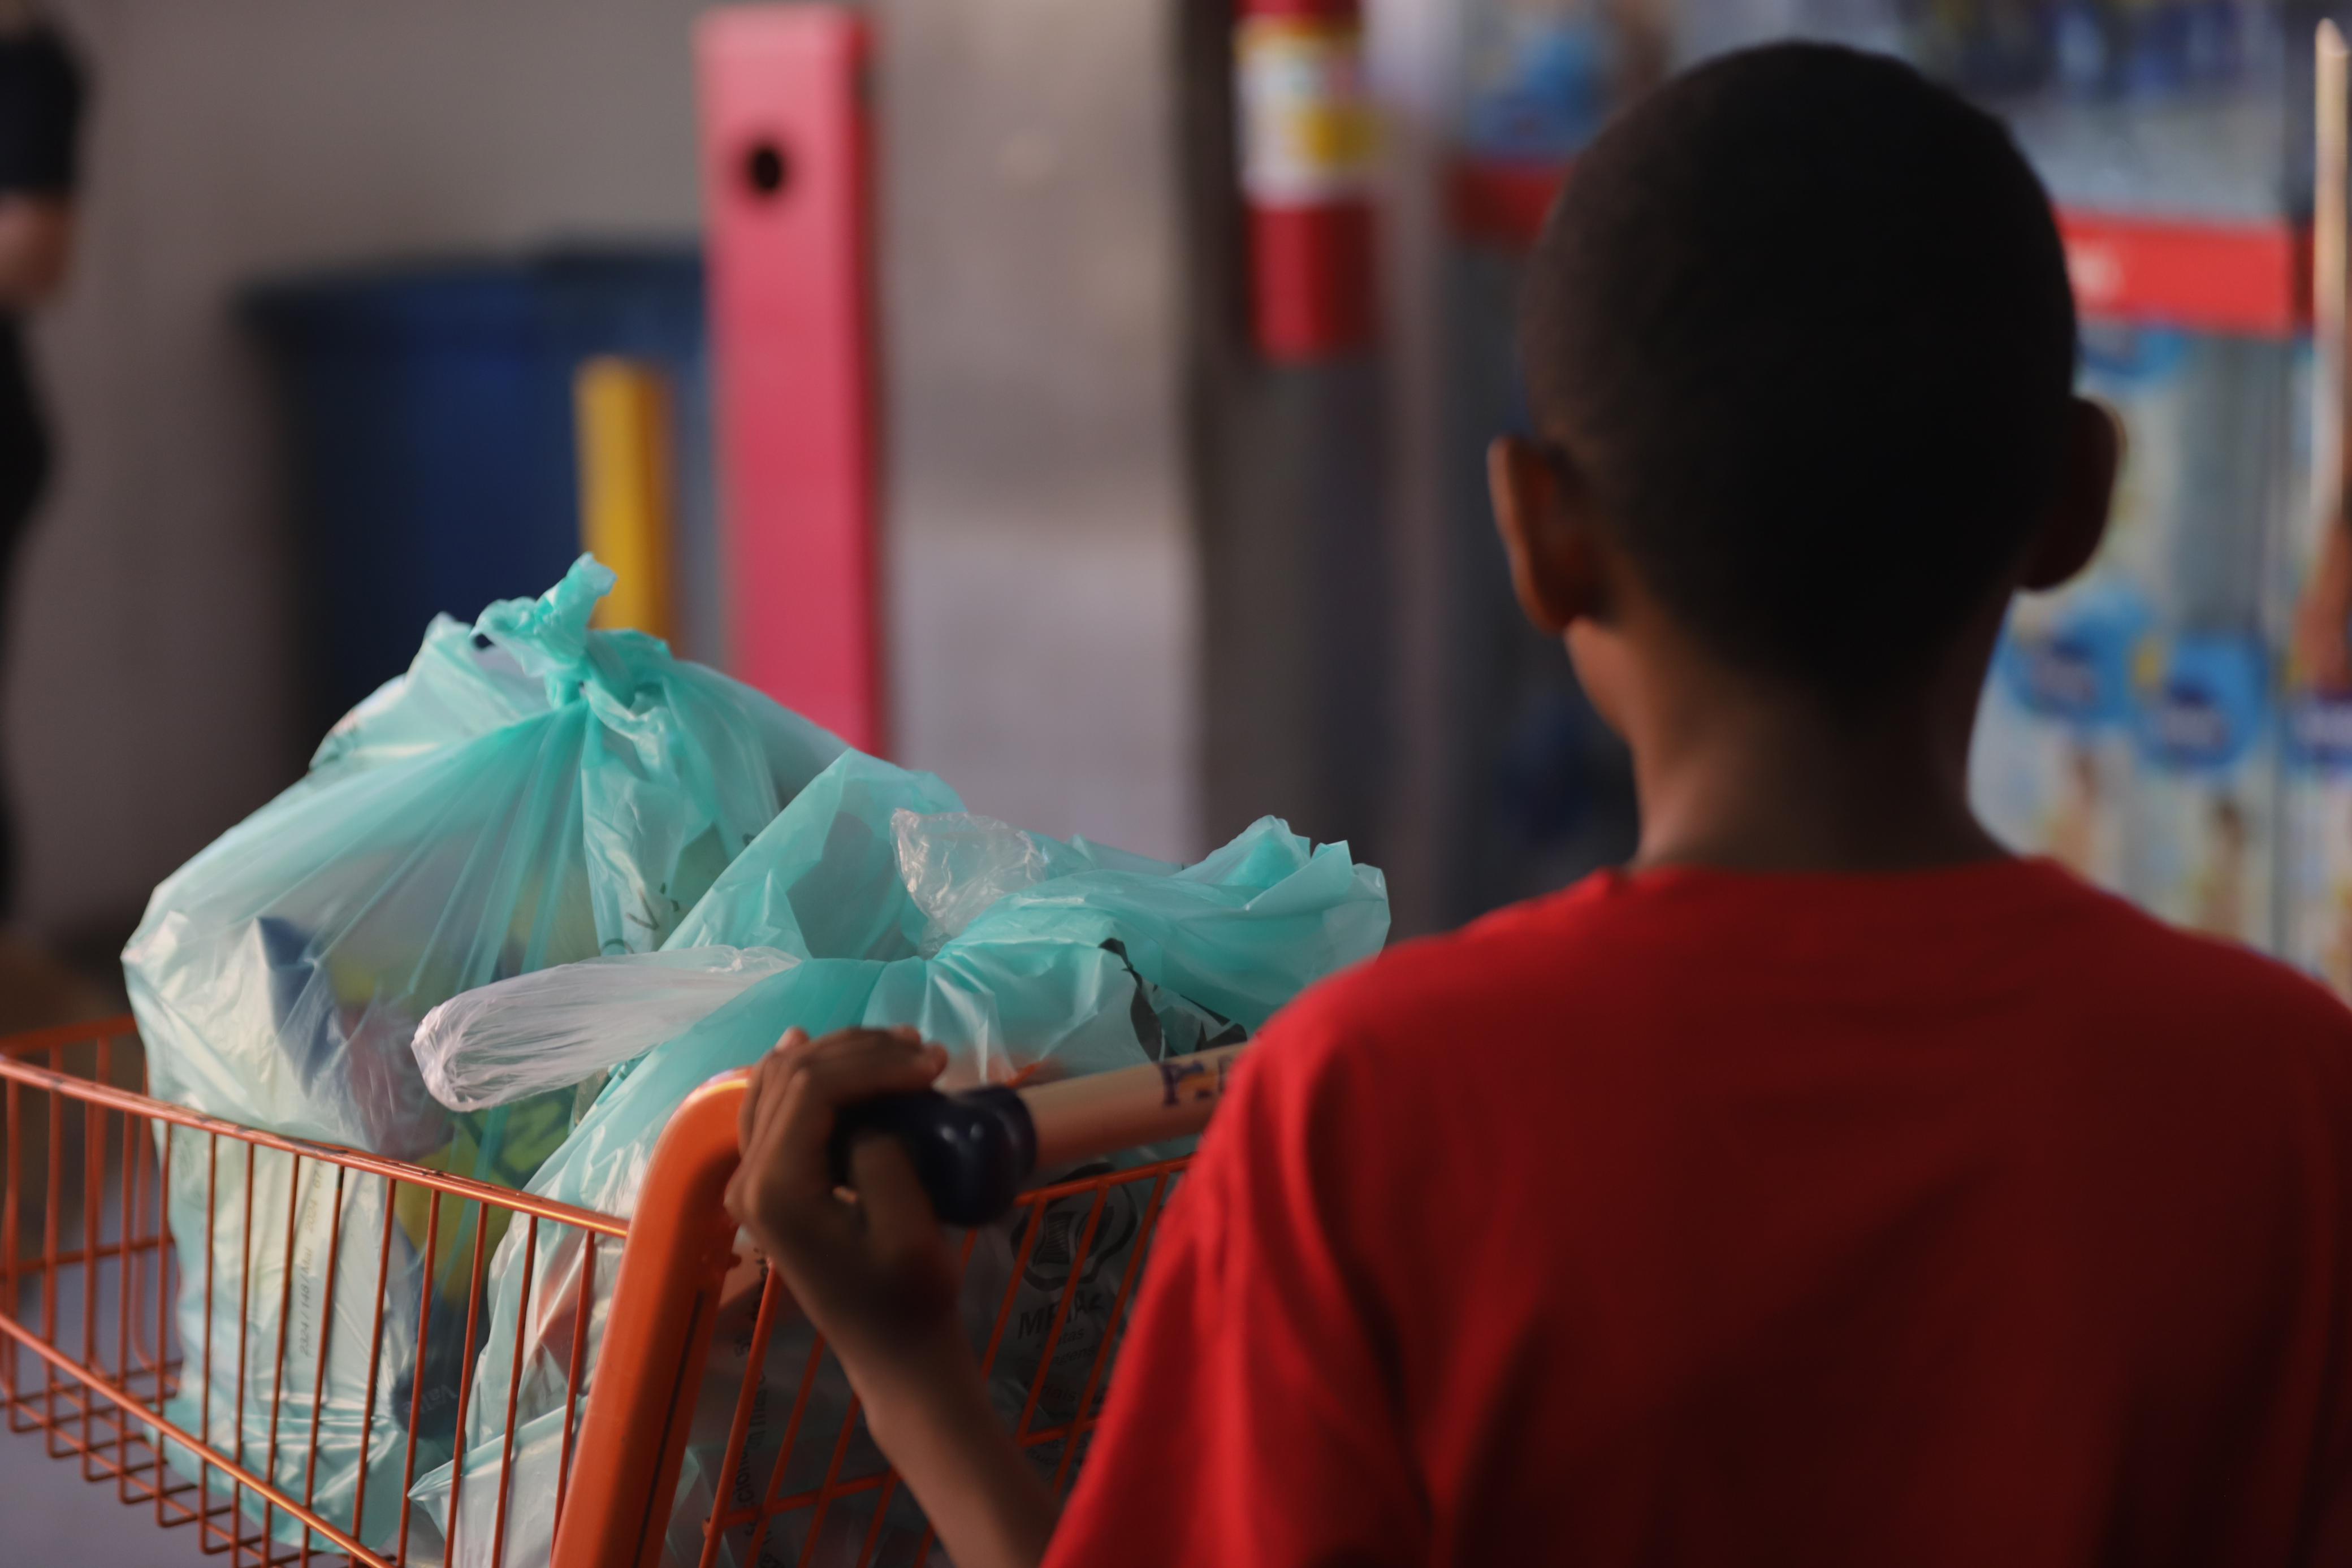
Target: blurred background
1189 321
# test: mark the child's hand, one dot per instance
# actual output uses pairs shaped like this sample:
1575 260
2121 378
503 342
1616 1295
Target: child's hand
874 1274
870 1266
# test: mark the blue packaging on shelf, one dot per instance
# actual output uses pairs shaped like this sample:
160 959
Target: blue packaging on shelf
1540 79
2051 770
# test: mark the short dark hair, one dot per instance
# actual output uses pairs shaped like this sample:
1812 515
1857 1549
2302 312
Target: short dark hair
1801 321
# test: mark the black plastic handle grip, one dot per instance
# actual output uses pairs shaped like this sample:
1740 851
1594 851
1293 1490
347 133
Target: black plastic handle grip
972 1151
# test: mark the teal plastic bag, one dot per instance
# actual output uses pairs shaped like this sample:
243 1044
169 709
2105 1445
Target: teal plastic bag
871 899
531 793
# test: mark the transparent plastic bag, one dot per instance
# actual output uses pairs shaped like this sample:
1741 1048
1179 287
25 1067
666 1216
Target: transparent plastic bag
531 793
957 866
561 1029
1017 953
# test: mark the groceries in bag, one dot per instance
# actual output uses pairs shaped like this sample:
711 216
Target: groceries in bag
873 899
531 793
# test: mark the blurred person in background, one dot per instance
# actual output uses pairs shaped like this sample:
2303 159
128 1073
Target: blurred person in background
41 93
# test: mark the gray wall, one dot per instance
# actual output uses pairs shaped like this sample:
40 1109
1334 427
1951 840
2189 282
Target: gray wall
1042 576
1047 608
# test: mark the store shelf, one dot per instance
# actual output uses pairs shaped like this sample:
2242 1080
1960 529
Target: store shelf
2219 276
2248 278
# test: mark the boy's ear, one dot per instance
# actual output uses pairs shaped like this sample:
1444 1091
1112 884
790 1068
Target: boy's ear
1544 516
2087 491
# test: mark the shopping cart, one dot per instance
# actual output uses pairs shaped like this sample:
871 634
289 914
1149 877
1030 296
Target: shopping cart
94 1357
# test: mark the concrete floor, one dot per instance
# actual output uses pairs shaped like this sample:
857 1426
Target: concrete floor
50 1518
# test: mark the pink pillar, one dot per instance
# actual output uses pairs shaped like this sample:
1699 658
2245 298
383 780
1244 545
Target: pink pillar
788 194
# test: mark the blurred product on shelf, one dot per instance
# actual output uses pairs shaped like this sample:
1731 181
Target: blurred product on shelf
2150 107
1537 78
531 793
2199 506
2203 835
2142 374
1705 28
2317 867
2298 528
2095 50
2054 763
1540 77
2127 724
2233 482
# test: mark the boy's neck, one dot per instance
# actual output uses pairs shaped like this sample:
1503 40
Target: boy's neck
1767 781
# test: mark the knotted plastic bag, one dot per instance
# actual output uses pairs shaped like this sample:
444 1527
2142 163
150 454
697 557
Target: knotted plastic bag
531 793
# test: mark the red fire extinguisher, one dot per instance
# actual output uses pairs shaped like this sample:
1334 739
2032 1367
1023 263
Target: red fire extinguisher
1306 147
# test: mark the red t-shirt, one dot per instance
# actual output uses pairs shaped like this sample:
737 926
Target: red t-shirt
1963 1218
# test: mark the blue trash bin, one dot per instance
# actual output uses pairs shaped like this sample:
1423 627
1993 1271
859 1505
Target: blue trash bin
430 416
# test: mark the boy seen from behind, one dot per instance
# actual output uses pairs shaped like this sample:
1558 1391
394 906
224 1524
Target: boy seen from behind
1825 1186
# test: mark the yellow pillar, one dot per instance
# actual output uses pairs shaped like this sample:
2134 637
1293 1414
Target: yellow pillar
627 488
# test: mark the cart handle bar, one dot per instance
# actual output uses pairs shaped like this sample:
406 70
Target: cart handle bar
973 1151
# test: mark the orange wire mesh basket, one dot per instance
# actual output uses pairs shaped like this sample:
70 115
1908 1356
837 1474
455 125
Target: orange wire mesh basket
694 1417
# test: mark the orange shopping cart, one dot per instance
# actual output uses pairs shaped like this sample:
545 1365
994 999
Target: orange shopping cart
692 1416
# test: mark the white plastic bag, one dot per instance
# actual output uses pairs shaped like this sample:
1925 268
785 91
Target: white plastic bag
555 1029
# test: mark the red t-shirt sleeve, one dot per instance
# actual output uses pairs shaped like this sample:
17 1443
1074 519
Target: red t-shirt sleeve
1253 1418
